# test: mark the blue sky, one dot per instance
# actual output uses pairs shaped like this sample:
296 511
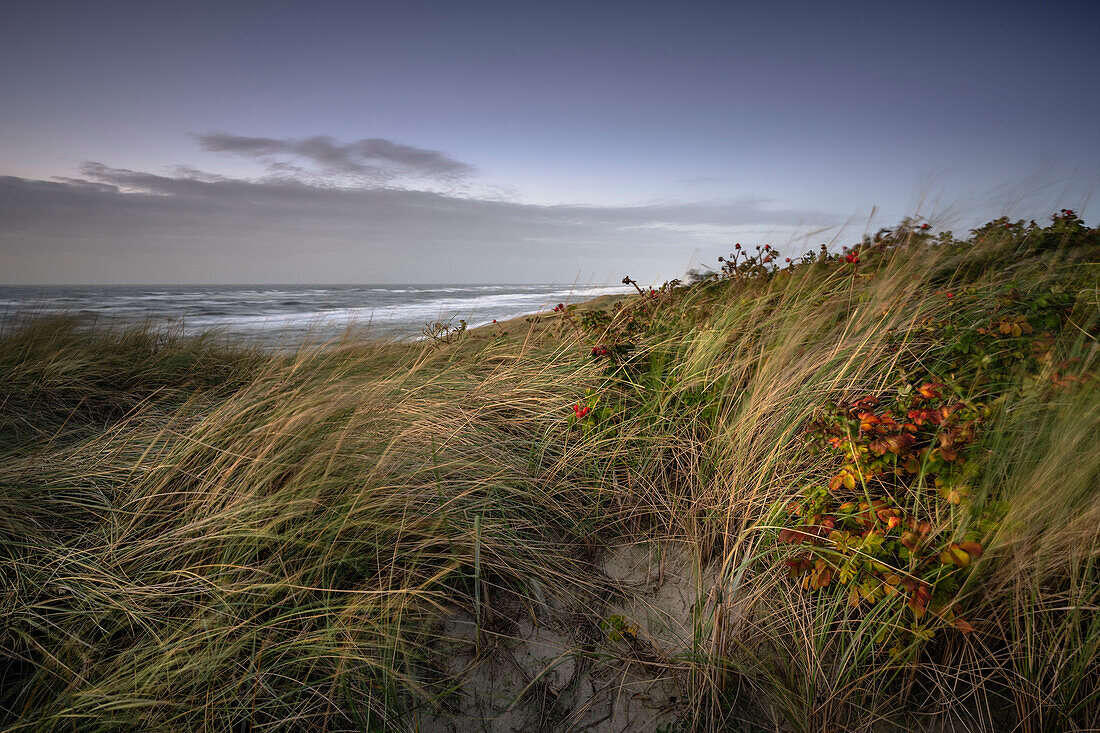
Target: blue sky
522 142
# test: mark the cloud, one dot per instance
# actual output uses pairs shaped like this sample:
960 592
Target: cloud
120 225
372 158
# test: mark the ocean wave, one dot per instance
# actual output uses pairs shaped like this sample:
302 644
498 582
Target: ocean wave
392 311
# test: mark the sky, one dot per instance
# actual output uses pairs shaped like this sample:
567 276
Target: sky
480 142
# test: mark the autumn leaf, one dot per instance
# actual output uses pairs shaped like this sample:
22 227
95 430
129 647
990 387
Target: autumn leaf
929 390
919 600
955 555
900 443
920 417
866 401
822 575
868 420
797 566
974 549
885 514
843 479
794 536
963 625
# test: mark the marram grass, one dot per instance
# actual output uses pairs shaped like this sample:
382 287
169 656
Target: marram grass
200 537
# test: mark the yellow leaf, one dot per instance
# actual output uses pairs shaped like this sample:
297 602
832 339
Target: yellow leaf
959 555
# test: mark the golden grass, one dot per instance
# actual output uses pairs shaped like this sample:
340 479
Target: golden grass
225 539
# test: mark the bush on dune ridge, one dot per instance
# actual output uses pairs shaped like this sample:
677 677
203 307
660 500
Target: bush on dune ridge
271 546
890 404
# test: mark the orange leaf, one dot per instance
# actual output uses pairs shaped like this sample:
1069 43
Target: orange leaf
918 602
868 420
974 549
929 390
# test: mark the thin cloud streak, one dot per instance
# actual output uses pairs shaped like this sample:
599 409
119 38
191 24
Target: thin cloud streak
373 158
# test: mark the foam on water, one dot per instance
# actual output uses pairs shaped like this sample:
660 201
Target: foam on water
282 313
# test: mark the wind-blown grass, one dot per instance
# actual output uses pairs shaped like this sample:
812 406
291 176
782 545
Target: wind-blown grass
201 537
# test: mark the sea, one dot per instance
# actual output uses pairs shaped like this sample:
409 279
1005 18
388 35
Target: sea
287 315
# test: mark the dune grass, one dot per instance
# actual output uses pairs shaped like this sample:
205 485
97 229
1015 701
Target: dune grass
198 537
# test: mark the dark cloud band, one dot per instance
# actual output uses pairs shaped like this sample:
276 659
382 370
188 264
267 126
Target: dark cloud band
349 219
375 158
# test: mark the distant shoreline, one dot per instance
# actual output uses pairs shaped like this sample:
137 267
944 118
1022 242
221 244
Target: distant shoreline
294 313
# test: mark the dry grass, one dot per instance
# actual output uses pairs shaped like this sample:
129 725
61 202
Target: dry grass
203 538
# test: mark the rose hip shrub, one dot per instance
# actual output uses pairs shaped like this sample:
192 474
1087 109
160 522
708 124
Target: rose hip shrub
887 525
896 527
